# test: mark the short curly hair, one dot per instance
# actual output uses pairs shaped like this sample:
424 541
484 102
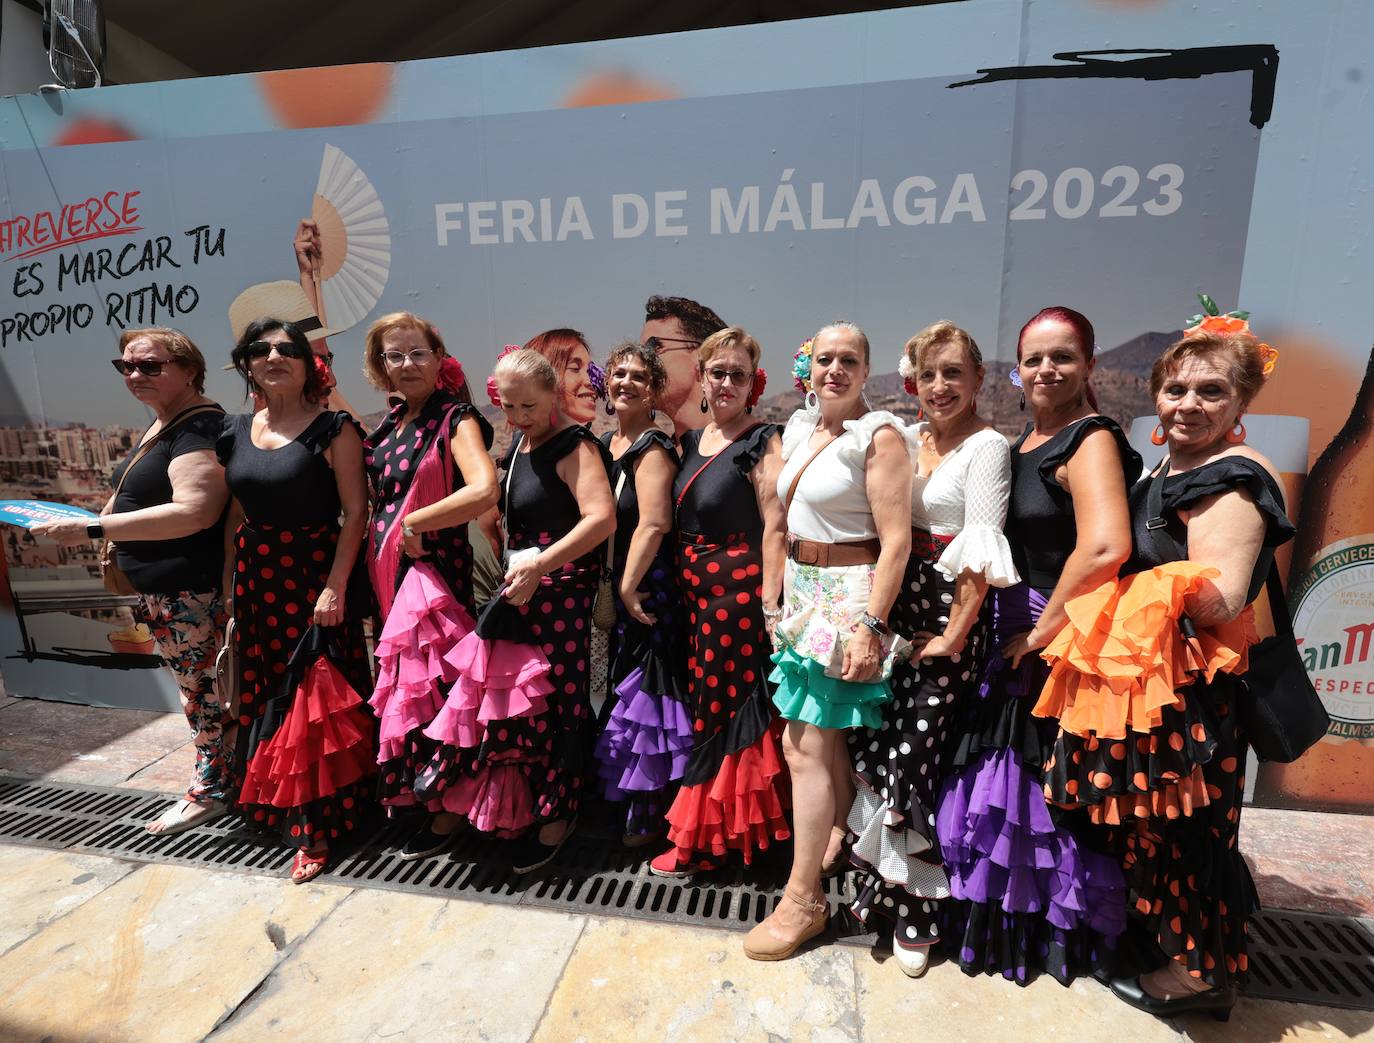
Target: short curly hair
647 356
938 335
1238 353
698 321
373 366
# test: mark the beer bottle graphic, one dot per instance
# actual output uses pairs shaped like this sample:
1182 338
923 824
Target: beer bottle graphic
1331 593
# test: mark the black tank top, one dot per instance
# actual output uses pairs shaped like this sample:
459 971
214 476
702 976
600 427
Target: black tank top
290 487
627 505
1040 521
536 502
720 502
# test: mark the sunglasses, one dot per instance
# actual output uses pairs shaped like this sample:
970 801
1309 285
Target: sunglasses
656 344
737 377
260 349
148 369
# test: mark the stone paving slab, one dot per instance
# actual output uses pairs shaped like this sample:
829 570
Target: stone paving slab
42 886
170 773
413 968
84 743
163 954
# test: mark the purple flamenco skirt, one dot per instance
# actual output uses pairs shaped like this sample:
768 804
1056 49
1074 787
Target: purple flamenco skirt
1027 895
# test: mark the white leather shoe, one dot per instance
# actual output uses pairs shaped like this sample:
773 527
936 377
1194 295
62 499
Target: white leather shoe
913 961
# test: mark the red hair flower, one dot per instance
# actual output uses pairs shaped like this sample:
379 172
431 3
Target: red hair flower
492 392
451 377
756 393
324 373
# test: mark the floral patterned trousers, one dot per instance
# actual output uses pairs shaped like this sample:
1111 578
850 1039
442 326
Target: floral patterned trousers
189 629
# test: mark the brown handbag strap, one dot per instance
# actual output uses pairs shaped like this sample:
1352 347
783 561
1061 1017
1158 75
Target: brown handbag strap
144 449
796 478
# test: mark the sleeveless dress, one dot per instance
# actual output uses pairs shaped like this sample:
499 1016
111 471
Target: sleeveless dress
1161 760
734 790
822 606
643 749
284 550
1027 893
957 514
409 468
526 766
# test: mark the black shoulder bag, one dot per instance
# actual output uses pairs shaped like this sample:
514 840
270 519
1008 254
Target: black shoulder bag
1280 713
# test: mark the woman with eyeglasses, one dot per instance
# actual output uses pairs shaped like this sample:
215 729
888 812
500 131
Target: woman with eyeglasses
642 751
429 474
295 470
729 559
165 519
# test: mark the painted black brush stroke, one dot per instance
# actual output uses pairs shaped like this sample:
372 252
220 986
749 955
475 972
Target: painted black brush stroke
1188 63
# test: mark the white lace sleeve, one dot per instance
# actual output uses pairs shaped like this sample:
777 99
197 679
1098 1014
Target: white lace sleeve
799 427
980 545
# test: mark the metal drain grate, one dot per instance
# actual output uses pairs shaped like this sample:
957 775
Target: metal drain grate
1300 957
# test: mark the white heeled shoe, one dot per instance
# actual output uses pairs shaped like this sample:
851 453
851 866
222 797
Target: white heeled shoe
914 960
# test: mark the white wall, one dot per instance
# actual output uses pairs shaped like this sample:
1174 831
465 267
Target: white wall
23 62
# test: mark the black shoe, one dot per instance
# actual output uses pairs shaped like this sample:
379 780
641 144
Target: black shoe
1217 1002
425 842
531 853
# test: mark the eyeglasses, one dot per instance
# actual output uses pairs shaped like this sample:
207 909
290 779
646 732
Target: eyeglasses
260 349
734 376
417 356
147 368
656 344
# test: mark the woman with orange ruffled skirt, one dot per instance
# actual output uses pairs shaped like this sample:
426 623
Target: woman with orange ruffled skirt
1148 673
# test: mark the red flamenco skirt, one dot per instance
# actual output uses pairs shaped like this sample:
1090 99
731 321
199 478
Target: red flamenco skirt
321 749
742 808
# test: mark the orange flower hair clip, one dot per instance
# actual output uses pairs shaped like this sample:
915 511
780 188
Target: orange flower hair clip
1213 321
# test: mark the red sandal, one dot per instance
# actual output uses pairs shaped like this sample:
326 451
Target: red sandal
305 866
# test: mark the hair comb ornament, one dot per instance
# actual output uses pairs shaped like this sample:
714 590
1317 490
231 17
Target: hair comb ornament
1232 322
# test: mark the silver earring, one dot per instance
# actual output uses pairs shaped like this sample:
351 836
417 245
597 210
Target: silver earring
813 402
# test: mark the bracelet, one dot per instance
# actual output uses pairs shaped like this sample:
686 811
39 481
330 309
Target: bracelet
406 530
772 613
876 625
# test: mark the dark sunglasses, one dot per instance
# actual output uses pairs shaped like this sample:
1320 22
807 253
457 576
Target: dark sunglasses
260 349
148 369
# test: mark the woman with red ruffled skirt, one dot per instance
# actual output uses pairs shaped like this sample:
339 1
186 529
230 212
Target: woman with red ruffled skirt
295 469
730 555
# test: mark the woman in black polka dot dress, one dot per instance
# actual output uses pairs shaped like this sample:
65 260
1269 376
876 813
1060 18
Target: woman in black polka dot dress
959 502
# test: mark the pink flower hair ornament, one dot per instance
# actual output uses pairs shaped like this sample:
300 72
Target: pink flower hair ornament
492 392
451 376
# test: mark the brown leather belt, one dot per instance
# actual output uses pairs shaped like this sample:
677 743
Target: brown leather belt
832 555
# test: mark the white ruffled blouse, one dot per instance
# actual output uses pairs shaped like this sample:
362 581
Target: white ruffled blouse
966 497
831 501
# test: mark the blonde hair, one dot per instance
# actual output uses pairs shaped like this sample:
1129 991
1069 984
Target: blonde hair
373 366
176 344
938 335
527 364
723 340
845 326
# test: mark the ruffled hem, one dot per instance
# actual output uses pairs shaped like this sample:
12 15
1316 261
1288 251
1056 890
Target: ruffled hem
749 724
497 680
806 693
982 550
1121 658
323 745
646 742
306 825
884 845
908 918
1002 846
496 800
741 809
984 939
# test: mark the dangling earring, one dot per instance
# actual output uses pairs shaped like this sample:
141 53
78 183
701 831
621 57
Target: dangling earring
1237 434
1023 401
610 409
704 406
920 411
653 414
749 409
1157 435
813 402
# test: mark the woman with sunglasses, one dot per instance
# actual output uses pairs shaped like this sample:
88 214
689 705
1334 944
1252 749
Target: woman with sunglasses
295 470
165 519
730 555
429 474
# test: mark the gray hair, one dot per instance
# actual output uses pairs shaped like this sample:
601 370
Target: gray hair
527 364
845 326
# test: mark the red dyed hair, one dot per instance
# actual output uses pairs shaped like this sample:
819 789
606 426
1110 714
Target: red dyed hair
1082 331
557 346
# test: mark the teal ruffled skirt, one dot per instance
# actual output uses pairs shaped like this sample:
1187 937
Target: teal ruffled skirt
805 693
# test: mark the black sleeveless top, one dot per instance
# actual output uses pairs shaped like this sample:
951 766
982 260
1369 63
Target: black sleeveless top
627 505
537 505
720 502
1185 489
1040 524
288 488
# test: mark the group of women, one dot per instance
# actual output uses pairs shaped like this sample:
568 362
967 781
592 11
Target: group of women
999 683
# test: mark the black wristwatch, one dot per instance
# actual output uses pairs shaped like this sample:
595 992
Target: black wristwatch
95 530
876 625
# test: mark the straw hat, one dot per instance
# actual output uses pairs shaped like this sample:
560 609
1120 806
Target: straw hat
282 300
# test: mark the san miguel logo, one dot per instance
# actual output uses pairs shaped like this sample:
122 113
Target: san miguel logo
28 235
1334 627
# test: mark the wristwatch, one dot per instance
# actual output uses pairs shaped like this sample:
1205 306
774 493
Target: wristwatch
95 531
876 625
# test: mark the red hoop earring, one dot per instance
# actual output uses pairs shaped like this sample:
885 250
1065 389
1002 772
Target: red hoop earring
1237 434
920 412
1157 435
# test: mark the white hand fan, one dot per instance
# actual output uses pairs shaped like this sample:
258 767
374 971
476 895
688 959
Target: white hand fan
355 240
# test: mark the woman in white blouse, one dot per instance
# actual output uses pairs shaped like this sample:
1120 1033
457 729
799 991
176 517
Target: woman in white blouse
958 504
846 488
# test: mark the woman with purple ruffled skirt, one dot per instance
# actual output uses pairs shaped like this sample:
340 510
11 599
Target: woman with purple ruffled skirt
647 738
1028 893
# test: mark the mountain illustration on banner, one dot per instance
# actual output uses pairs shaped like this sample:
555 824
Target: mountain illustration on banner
355 241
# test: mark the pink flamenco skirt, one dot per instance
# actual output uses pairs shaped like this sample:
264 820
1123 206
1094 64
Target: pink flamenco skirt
417 660
502 680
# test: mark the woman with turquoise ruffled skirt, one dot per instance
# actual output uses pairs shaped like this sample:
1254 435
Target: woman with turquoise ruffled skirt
846 487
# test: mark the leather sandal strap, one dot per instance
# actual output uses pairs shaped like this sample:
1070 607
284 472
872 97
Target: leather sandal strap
809 904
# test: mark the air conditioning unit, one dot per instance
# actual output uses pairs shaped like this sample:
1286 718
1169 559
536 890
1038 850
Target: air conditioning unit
74 35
